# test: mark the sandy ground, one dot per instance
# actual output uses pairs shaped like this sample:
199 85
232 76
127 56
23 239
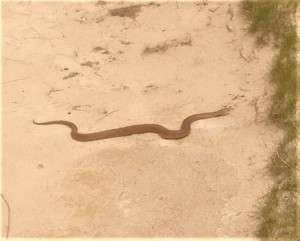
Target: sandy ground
104 67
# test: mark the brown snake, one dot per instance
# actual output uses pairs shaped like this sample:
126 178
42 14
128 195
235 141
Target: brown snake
139 129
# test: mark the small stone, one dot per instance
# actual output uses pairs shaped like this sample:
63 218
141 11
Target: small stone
83 19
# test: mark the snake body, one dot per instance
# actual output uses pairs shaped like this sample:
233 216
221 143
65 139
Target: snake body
138 129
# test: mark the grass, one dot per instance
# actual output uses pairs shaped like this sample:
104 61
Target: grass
164 46
273 23
130 11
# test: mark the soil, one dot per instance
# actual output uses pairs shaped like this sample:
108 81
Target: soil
105 65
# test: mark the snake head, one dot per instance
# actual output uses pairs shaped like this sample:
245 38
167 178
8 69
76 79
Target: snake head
226 110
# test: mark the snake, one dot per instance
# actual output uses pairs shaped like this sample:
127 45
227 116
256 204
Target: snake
162 131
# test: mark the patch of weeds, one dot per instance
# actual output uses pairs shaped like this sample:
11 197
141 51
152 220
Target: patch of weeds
130 11
164 46
269 18
284 74
99 2
279 203
160 48
98 48
71 75
273 22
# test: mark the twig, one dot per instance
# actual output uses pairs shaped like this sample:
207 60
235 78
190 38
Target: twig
177 4
228 28
242 56
173 57
96 120
105 115
40 35
256 109
60 105
194 169
71 75
98 74
8 215
53 90
249 59
230 12
16 60
281 159
27 14
14 80
76 107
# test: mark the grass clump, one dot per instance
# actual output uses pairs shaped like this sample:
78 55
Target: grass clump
270 18
273 22
131 11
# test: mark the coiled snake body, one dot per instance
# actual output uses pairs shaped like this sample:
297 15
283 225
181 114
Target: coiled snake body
138 129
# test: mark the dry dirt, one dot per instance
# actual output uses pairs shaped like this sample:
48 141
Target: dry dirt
106 65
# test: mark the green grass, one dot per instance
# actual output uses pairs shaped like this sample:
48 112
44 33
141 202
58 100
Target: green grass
273 23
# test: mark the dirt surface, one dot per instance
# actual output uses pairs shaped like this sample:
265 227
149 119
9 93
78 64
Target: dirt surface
107 65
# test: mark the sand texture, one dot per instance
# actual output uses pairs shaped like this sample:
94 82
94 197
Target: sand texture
107 65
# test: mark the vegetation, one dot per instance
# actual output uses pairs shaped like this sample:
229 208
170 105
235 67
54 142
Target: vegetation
273 21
